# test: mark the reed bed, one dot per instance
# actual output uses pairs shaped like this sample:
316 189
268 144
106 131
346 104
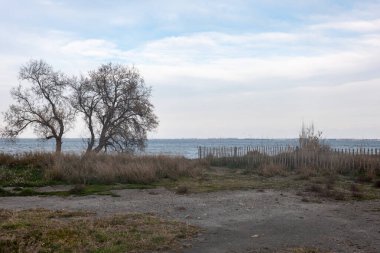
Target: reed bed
98 168
102 168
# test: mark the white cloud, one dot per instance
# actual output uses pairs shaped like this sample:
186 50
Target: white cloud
224 84
355 62
54 3
208 46
362 26
90 48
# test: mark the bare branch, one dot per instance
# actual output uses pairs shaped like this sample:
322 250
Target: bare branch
41 102
114 102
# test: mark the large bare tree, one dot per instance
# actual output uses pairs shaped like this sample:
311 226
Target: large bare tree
41 103
115 104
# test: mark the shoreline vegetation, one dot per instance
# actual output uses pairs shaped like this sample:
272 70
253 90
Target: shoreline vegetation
349 178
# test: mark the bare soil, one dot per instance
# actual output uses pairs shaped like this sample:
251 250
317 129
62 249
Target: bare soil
239 221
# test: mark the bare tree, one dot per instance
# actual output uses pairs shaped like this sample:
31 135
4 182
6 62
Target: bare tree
42 105
115 104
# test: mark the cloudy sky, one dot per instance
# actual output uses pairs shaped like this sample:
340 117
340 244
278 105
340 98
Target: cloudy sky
248 69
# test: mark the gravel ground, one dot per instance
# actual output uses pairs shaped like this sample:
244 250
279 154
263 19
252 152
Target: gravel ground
240 221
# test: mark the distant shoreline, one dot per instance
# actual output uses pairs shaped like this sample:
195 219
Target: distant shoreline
232 138
178 147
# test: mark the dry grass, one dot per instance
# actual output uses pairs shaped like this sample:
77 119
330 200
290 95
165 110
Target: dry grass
44 168
305 173
43 230
120 168
327 189
271 170
178 174
34 159
335 187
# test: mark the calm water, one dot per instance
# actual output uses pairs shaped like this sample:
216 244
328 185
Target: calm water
183 147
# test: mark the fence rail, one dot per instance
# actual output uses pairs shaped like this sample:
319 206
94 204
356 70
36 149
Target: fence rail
219 152
293 157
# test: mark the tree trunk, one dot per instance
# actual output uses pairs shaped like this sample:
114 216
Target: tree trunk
58 145
98 148
91 141
90 145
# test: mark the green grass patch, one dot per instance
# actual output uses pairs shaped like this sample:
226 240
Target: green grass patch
100 189
23 192
334 187
220 179
63 231
24 176
77 190
26 180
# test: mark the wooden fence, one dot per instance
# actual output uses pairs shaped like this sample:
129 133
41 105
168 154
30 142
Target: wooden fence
293 157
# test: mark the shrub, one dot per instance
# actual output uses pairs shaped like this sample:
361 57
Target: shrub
366 176
306 172
330 181
182 190
325 192
315 188
77 189
309 139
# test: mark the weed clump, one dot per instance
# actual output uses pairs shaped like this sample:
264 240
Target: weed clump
271 170
330 181
77 189
306 172
366 175
182 190
356 192
326 192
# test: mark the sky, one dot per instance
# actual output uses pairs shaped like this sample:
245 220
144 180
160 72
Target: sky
218 69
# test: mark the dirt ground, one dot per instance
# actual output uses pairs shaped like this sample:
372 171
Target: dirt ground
240 221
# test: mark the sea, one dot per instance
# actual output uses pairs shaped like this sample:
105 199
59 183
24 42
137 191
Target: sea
176 147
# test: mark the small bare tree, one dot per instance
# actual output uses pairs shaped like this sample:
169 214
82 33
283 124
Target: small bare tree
43 105
115 104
